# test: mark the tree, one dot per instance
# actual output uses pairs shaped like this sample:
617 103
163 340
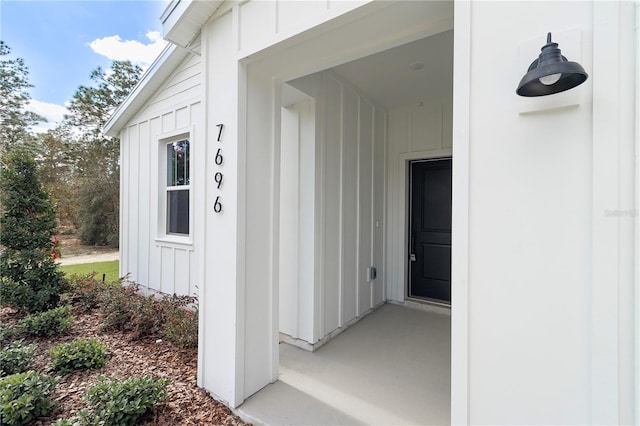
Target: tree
15 120
91 107
56 157
97 170
30 280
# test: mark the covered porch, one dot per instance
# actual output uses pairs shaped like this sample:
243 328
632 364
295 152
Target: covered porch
391 367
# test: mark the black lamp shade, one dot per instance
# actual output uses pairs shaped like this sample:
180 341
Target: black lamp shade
551 66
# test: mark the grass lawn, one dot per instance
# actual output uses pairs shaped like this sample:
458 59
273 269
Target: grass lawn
109 268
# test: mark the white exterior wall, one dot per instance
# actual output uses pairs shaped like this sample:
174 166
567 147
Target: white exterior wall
415 132
152 260
542 271
331 198
543 318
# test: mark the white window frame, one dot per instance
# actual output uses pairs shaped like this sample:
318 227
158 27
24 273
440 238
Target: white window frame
163 236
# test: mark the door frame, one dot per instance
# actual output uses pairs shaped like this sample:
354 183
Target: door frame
397 248
408 210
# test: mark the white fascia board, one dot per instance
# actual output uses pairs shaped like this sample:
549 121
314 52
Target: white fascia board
182 20
168 11
150 82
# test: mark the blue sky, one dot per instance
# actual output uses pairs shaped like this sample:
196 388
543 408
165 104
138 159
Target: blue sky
63 41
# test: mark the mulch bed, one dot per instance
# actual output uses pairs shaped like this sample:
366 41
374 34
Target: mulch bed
186 403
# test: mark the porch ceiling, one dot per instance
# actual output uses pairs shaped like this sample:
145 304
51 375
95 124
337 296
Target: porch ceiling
388 78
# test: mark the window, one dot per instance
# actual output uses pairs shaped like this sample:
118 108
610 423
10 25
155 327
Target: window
177 189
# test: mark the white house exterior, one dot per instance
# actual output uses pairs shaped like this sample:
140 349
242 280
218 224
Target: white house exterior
302 138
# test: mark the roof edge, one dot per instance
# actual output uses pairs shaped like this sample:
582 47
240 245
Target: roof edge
150 81
173 4
182 20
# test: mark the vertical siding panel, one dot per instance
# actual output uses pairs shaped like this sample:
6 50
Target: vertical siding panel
168 122
257 23
197 191
319 209
289 212
182 117
308 220
182 271
133 208
365 158
399 139
349 206
379 138
332 178
194 285
155 255
124 202
167 257
143 204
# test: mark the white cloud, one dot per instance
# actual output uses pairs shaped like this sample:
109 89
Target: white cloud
116 49
52 112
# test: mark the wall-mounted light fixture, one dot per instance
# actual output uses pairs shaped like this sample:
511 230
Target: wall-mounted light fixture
551 73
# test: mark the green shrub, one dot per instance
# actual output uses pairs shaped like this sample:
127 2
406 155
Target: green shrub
127 310
29 277
117 307
181 323
9 333
126 401
87 293
80 354
48 323
148 317
24 397
16 358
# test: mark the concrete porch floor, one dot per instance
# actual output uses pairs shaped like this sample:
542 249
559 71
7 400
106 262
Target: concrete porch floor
393 367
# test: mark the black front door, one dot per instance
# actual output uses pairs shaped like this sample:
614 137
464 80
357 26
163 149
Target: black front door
430 230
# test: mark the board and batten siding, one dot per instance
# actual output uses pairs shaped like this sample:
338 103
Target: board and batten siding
332 208
266 23
156 264
416 132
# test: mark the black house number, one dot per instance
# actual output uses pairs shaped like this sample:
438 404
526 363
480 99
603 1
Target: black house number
218 177
217 205
220 127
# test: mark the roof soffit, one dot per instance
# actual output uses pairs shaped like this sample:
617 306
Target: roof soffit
182 20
